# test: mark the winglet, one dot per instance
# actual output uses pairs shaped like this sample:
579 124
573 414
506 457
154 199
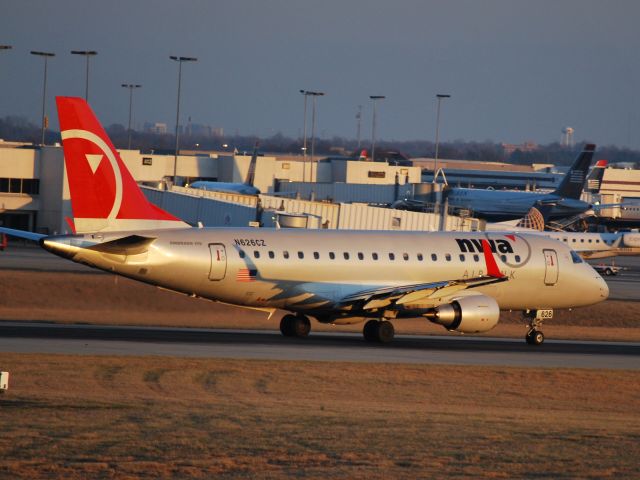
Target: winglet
492 266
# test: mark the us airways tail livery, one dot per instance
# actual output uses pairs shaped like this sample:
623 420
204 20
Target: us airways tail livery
458 280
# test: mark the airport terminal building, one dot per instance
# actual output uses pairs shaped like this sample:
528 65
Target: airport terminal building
34 194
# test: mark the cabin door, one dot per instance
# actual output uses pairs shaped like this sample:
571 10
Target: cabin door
218 261
551 267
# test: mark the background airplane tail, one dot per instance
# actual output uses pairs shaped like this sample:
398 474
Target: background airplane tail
573 182
104 195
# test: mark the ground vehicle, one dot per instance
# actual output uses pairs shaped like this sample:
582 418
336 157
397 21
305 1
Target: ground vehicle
607 270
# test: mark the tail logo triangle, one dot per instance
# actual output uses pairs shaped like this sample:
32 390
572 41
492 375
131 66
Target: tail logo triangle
94 160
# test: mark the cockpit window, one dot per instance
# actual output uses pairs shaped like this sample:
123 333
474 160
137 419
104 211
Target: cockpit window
575 257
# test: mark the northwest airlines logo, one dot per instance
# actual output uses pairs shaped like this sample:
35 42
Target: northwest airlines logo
94 161
514 251
473 245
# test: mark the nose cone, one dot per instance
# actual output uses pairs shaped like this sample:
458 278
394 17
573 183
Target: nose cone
595 287
604 288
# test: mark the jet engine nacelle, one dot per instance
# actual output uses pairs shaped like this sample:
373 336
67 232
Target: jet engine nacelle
631 239
471 314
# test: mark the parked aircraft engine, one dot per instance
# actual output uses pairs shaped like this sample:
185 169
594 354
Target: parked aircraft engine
631 239
470 314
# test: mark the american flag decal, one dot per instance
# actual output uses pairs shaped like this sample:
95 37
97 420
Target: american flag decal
576 176
246 275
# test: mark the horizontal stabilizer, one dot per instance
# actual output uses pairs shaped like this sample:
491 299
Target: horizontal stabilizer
22 234
131 245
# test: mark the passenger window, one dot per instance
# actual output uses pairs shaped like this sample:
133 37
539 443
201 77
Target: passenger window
447 257
392 256
256 254
462 257
332 255
360 256
405 256
316 255
300 255
374 255
285 254
434 257
573 240
517 258
503 258
420 257
241 252
346 255
476 258
271 254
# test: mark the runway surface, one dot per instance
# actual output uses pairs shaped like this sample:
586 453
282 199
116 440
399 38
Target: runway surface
23 337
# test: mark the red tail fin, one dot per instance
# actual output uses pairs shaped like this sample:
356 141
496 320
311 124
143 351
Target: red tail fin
104 195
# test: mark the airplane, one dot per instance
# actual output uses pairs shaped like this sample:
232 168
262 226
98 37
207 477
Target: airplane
500 205
245 188
589 245
459 280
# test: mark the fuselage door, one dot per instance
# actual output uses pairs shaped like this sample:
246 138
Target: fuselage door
551 267
218 261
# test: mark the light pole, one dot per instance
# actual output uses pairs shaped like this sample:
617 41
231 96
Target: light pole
130 86
179 60
439 96
359 120
305 94
86 54
375 99
314 95
46 56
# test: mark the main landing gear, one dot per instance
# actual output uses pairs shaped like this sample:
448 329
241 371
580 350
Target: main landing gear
534 319
380 331
295 326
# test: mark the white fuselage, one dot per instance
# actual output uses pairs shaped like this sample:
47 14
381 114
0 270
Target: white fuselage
311 271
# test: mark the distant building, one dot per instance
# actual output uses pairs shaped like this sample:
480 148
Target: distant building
159 128
509 148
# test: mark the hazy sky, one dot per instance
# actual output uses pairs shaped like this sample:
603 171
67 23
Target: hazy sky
516 70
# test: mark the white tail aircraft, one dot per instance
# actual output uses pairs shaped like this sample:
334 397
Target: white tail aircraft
458 280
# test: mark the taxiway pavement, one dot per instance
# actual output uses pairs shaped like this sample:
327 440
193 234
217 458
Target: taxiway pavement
27 337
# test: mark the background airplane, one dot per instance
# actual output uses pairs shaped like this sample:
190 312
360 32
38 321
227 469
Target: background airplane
245 188
499 205
458 280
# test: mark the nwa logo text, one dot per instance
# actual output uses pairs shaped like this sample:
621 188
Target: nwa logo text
473 245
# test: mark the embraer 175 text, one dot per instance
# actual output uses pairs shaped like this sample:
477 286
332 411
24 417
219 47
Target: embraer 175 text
458 280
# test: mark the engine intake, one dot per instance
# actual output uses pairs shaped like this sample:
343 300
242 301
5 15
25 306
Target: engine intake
471 314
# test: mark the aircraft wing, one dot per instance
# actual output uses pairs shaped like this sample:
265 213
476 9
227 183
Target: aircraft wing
390 297
396 296
22 234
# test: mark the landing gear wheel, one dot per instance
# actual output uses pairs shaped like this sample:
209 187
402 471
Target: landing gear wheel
370 331
295 326
385 332
378 331
286 325
535 337
301 326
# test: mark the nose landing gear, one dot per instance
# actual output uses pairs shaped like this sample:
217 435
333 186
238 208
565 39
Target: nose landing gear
534 319
534 337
